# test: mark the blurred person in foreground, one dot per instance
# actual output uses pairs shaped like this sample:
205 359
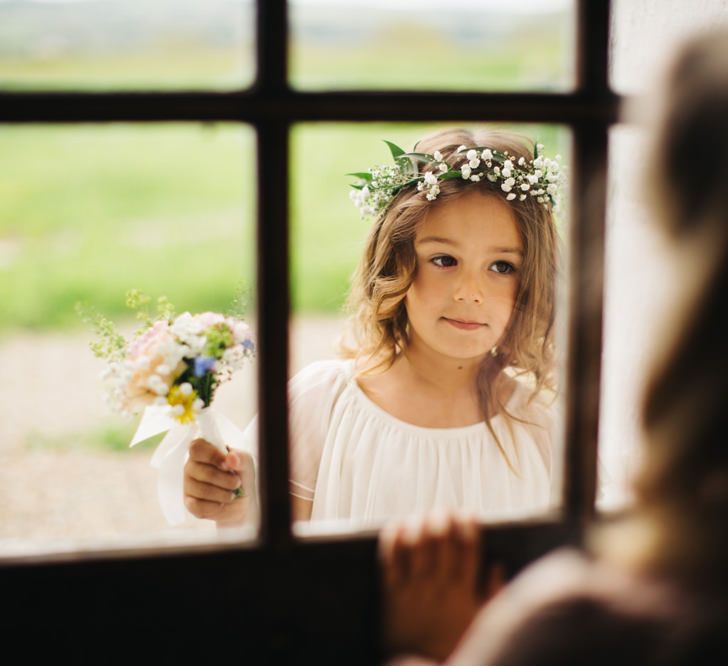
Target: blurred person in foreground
650 588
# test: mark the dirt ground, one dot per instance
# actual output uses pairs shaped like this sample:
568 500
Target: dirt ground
75 499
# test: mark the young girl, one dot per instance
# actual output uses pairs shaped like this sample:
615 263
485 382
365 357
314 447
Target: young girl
444 401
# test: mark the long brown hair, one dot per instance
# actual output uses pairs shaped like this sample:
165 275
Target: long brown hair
379 322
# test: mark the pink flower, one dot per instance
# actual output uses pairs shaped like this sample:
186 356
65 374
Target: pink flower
146 357
149 341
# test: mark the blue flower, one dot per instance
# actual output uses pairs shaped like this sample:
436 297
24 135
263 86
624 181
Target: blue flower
203 364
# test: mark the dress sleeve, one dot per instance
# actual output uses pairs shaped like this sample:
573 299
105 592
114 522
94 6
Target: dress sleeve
312 393
311 396
544 418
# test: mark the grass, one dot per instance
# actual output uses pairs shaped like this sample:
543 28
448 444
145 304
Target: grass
187 66
90 211
110 437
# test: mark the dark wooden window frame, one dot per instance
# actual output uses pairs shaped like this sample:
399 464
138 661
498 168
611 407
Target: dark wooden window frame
314 599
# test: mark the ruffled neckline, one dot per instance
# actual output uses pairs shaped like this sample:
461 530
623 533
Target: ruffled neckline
475 429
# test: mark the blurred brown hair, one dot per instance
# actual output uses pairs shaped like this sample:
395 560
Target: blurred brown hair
683 486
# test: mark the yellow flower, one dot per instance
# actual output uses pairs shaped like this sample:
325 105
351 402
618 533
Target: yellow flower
182 400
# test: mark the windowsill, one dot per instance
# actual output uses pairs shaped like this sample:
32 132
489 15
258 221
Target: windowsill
27 551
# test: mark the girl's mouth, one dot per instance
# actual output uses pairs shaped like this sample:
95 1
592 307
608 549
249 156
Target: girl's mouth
463 325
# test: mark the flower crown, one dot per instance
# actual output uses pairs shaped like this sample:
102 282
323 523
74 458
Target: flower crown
539 177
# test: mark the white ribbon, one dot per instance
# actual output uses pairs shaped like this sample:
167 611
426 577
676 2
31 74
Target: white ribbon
171 454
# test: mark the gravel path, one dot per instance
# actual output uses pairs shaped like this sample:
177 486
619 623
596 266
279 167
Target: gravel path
76 499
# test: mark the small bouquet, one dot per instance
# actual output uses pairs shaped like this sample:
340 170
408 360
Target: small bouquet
171 368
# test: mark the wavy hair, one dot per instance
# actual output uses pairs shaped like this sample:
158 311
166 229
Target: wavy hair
378 317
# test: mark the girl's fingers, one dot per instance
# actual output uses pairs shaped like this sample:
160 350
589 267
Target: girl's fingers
210 474
446 547
428 550
401 553
386 553
469 550
202 451
202 508
457 551
207 492
422 548
448 551
495 580
395 551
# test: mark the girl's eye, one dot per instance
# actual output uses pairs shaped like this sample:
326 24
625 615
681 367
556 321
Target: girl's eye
444 261
502 267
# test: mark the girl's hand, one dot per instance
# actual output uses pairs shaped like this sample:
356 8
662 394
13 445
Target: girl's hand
429 578
210 479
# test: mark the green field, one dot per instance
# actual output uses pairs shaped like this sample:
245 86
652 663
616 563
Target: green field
88 212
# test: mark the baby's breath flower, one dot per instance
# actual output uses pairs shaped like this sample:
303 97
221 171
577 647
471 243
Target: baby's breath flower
508 184
377 188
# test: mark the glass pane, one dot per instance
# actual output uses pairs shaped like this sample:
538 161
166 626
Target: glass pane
130 44
431 45
88 213
645 34
364 450
640 288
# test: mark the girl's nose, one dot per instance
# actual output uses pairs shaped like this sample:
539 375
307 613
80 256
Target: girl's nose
468 290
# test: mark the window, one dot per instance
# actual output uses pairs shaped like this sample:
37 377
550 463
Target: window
317 598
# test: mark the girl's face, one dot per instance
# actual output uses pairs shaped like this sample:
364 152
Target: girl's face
469 256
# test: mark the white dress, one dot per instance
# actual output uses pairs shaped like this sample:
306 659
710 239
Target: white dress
358 462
